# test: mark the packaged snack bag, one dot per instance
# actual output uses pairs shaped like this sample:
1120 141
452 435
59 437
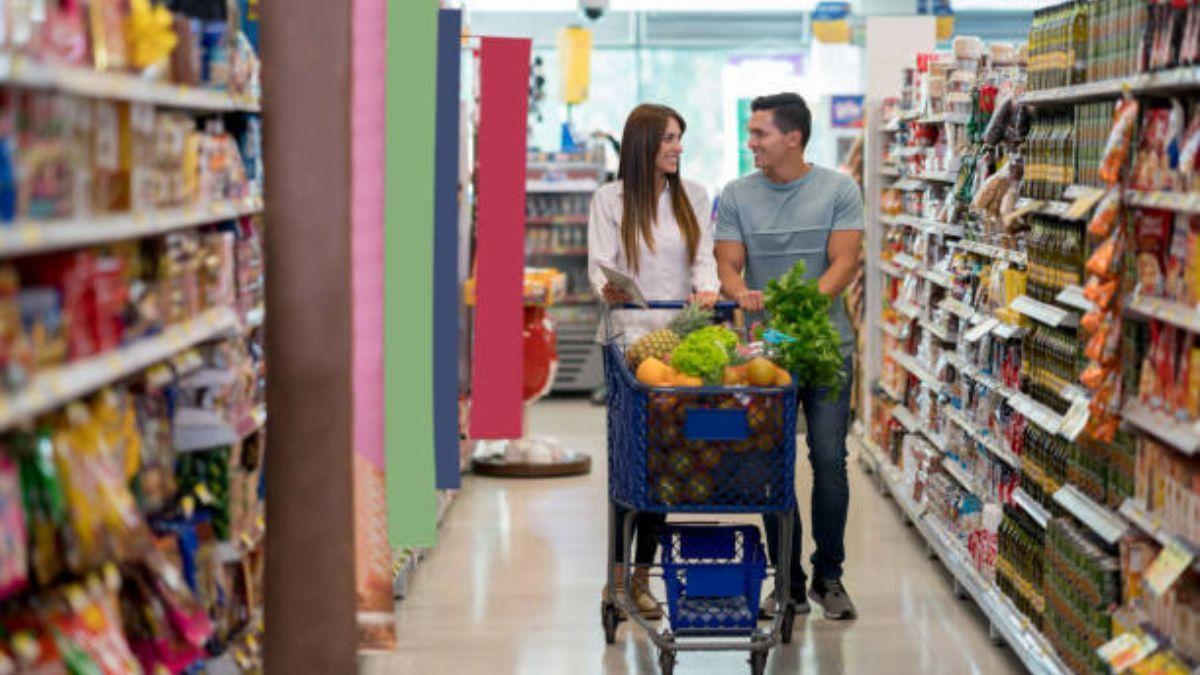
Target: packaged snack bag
14 560
1116 151
1151 167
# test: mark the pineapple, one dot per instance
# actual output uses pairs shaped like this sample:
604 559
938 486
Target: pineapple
691 319
662 342
658 344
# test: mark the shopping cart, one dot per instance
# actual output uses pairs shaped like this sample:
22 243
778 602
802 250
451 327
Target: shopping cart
701 450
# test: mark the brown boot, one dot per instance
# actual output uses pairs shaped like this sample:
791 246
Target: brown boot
647 606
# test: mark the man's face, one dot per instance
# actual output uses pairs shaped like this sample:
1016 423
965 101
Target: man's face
770 145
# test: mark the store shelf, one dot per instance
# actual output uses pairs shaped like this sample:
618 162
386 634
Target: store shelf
561 221
945 118
981 329
1037 413
906 419
890 393
959 474
1107 525
989 441
891 270
61 385
570 165
1143 83
912 151
989 251
960 309
909 185
938 277
1007 331
1044 313
890 221
890 172
1136 514
1054 208
1177 314
548 252
910 364
91 83
907 261
1182 202
196 430
907 309
1183 436
1030 506
935 177
1072 296
40 236
938 332
898 332
1030 646
561 186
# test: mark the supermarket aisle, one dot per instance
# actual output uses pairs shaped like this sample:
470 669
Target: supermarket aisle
514 586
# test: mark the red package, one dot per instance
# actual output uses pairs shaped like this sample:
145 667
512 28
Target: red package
111 294
1152 167
1153 235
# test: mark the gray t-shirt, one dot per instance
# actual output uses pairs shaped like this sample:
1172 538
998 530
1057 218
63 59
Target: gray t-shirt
780 223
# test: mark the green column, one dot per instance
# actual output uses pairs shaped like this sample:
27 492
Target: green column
408 321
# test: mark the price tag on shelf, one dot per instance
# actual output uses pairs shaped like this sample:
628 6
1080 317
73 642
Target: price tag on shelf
1127 650
1085 199
1166 569
31 235
1076 419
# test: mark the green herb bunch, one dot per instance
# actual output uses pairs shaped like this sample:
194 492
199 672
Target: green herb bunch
799 310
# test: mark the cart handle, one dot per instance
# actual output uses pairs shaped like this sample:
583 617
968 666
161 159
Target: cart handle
724 305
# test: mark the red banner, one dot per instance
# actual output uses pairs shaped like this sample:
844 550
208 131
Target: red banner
497 378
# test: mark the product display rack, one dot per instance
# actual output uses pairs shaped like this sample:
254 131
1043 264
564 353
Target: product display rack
132 303
559 190
925 439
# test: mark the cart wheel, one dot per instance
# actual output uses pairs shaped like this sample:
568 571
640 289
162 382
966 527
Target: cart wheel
789 623
666 662
609 618
758 663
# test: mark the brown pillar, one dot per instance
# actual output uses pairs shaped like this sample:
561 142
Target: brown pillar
310 598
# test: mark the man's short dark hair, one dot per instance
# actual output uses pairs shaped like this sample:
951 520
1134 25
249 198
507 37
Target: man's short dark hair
791 113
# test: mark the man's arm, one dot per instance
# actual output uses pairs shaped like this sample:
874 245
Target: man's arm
844 248
731 260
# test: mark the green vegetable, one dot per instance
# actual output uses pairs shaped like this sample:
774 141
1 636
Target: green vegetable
702 354
800 310
725 337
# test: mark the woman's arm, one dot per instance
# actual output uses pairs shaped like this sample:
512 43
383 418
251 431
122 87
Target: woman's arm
704 267
604 246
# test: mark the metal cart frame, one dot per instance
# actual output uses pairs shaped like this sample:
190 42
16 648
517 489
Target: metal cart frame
618 606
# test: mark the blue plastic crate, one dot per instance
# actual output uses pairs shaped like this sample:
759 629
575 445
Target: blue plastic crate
714 577
698 449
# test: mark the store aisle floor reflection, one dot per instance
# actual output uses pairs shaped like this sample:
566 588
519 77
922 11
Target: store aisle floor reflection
514 585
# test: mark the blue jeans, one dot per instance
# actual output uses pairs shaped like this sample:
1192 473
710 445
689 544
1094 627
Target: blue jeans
828 423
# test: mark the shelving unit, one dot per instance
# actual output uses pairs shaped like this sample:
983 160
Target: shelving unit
558 193
133 324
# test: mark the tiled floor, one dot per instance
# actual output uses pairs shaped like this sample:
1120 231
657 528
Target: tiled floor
514 586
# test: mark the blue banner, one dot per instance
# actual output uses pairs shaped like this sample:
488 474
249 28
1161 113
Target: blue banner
445 253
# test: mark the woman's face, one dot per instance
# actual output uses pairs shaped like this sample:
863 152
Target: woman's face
667 160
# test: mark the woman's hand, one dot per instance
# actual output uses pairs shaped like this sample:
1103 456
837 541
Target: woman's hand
615 296
706 299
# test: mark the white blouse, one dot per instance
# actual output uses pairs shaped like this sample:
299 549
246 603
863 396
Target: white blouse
664 272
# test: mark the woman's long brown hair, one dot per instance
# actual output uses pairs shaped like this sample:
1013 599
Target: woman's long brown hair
644 132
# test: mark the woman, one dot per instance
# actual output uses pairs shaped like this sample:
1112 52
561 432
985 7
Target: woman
656 228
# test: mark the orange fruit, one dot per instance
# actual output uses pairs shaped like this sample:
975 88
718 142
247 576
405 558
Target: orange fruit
782 377
761 372
653 373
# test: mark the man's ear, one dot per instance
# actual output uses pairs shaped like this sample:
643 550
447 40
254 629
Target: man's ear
796 139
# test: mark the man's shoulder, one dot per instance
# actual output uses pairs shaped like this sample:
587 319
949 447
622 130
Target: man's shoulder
833 178
744 184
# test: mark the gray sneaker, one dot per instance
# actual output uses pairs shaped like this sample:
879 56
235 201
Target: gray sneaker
770 607
832 597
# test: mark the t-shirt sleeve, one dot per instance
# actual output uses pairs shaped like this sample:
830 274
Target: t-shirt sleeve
848 210
729 224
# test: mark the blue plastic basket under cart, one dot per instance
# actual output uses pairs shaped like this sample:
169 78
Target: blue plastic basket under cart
701 450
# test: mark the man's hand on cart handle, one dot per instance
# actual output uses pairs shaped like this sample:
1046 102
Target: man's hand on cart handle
614 295
751 301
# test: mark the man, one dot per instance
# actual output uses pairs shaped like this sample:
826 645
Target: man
791 210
